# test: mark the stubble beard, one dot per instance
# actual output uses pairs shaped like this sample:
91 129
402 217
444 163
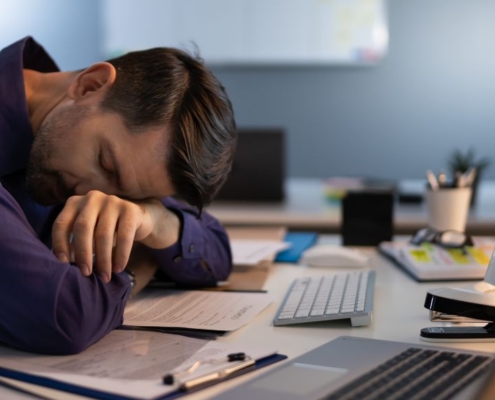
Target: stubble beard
44 184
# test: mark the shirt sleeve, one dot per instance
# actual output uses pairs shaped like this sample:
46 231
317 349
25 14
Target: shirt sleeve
202 256
47 306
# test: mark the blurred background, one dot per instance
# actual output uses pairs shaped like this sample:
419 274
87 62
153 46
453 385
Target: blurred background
398 87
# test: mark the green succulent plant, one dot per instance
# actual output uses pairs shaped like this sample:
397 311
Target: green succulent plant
461 161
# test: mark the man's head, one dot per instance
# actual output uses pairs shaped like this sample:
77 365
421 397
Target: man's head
157 121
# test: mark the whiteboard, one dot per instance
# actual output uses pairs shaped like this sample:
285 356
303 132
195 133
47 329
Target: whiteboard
252 32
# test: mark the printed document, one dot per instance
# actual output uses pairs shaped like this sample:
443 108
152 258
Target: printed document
128 363
194 309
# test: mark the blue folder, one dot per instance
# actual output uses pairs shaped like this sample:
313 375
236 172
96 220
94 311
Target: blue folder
299 241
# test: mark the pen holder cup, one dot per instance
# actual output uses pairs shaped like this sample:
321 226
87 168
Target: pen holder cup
448 208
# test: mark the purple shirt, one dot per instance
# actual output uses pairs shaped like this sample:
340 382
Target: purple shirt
47 306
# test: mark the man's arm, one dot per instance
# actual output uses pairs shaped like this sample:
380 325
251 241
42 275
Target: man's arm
189 250
47 306
202 255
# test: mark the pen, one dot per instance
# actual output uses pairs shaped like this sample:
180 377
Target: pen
209 377
442 179
432 180
470 176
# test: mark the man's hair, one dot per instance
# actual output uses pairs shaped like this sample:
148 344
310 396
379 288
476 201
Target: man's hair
168 87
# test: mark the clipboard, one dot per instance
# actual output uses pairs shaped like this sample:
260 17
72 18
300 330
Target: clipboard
103 395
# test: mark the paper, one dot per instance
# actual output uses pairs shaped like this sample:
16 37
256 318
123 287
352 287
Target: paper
219 311
251 252
127 363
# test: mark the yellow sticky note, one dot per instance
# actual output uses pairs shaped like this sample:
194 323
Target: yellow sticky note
458 256
479 255
420 255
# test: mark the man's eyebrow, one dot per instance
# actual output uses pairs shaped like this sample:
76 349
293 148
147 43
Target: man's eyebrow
116 165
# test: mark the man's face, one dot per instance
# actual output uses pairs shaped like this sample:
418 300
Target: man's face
79 148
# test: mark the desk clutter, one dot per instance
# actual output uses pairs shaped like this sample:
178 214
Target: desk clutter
171 342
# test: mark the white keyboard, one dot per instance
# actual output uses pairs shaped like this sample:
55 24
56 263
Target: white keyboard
329 297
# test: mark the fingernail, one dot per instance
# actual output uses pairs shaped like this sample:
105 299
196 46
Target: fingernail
85 269
62 257
105 277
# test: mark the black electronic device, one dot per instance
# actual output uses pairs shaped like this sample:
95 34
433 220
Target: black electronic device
367 216
258 170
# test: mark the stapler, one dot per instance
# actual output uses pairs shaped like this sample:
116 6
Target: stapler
474 302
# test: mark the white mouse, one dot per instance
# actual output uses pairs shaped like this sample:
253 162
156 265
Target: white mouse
334 257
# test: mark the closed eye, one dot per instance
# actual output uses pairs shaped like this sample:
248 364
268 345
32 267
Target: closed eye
101 161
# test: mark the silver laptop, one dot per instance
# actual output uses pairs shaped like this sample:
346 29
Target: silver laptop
359 368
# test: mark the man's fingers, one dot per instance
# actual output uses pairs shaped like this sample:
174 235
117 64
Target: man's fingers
62 228
83 232
126 231
104 240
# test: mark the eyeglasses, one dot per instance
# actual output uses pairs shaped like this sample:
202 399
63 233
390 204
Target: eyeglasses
449 239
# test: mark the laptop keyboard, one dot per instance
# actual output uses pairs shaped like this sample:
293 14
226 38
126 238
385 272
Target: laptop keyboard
416 374
347 295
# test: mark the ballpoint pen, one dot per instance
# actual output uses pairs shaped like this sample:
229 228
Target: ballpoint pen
442 179
432 180
186 384
470 176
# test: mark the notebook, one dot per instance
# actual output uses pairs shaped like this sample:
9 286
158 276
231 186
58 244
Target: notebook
352 368
429 262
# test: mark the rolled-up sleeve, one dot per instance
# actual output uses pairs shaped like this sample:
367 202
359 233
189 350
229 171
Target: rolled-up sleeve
47 306
202 256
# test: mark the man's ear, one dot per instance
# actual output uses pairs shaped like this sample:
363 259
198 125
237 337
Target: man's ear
94 80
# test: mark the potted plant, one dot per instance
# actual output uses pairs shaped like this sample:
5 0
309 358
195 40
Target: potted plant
460 161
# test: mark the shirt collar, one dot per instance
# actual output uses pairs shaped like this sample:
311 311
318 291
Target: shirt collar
16 134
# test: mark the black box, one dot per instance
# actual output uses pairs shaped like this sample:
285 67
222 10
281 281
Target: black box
367 217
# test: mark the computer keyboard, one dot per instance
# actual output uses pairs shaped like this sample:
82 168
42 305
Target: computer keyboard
416 374
329 297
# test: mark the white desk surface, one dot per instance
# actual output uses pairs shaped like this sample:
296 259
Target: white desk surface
306 208
398 315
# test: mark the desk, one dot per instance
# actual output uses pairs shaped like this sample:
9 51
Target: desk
306 209
398 315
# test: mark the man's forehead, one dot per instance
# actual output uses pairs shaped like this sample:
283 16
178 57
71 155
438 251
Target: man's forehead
148 154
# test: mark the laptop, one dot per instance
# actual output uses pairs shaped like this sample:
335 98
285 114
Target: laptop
361 368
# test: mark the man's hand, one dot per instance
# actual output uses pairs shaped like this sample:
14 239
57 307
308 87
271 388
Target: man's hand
107 226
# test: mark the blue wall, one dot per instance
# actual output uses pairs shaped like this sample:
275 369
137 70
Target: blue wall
434 91
70 30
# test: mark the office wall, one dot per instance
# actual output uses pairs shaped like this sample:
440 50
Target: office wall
68 29
434 91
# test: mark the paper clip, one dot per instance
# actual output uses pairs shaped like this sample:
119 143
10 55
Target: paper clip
188 384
